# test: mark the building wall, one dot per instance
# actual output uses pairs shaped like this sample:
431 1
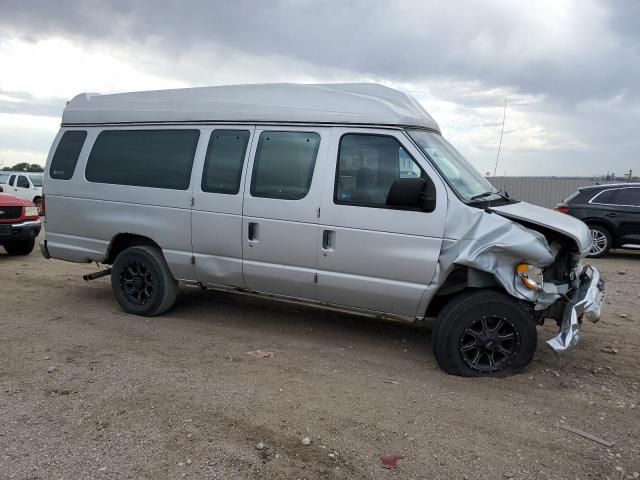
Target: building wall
543 191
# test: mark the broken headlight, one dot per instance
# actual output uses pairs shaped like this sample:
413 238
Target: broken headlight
530 276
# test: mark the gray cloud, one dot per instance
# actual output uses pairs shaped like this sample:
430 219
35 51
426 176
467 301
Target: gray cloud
572 67
495 42
24 103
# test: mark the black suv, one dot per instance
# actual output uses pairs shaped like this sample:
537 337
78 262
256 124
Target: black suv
612 213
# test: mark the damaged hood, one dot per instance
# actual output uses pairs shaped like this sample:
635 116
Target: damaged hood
559 222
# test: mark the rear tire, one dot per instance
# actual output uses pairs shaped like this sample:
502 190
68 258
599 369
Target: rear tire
484 333
602 241
24 247
142 282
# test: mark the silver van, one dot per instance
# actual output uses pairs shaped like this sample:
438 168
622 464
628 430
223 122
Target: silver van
340 196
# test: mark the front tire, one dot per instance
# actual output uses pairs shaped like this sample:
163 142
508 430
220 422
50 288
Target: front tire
484 333
142 282
24 247
602 241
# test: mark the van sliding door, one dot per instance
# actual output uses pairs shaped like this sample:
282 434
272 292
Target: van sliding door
217 206
280 214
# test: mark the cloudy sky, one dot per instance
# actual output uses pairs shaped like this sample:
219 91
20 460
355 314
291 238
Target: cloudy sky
570 69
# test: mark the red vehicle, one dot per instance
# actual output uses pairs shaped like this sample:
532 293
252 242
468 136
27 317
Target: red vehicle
19 224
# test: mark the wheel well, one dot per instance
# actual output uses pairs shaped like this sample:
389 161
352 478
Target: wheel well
123 241
460 280
603 224
37 197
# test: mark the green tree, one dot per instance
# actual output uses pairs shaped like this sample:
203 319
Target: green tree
26 167
20 167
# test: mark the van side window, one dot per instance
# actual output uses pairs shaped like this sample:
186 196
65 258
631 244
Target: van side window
23 182
367 166
283 167
143 158
11 179
224 160
66 156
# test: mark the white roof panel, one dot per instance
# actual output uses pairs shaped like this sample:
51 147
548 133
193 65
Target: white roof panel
348 103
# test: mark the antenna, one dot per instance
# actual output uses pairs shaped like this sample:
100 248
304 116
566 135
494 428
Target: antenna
504 115
495 168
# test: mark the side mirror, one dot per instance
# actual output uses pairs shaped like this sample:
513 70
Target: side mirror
415 193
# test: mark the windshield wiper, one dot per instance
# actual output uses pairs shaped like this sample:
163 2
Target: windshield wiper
481 195
498 192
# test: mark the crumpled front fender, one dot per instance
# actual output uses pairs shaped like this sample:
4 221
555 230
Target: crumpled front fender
493 244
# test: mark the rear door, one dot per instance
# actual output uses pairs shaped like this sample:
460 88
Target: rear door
217 209
375 257
627 211
280 212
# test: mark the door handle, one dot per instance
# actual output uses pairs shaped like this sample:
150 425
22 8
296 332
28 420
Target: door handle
253 232
610 214
328 240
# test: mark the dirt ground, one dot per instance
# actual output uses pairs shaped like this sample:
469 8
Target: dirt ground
87 391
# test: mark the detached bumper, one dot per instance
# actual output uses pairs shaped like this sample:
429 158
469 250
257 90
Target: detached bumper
586 303
19 231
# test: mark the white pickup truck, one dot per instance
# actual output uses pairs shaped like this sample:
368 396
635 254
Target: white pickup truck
24 185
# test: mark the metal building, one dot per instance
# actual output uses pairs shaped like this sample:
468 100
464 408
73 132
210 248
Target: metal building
543 191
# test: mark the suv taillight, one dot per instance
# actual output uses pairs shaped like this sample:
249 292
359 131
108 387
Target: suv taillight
562 209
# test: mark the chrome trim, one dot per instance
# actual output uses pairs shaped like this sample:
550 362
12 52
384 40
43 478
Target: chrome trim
613 184
27 224
613 204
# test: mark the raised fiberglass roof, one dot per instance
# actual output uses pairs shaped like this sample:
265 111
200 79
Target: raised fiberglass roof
347 103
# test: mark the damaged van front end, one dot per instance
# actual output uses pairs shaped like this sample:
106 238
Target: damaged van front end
491 241
532 253
568 291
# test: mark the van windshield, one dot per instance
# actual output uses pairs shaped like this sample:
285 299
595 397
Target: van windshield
460 174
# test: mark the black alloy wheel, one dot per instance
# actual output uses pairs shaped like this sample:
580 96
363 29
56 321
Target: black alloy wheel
484 332
489 344
142 281
137 283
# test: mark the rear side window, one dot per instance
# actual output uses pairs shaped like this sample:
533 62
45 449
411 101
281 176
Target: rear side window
283 166
11 180
36 180
628 197
224 160
143 158
367 167
607 197
66 156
